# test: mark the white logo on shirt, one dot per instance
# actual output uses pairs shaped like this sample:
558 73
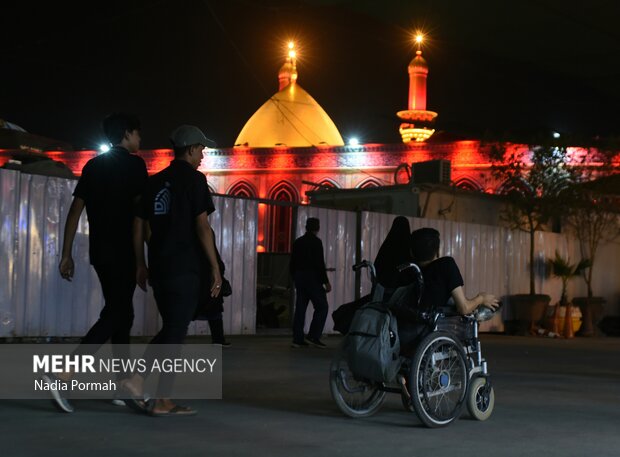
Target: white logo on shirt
162 202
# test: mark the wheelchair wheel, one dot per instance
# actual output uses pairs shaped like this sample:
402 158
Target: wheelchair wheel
355 397
480 399
438 379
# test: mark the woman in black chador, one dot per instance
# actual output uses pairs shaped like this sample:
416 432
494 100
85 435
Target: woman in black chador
394 251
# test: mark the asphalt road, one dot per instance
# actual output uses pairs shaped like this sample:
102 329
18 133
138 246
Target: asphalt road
553 398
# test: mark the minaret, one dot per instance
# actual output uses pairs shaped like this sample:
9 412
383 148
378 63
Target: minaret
418 119
288 72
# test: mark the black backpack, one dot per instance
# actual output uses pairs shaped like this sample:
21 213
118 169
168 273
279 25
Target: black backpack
372 346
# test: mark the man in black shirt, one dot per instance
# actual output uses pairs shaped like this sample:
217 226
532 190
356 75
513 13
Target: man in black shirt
109 187
311 284
174 209
442 277
443 288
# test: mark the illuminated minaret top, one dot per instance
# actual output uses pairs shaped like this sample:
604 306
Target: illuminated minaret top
416 116
288 72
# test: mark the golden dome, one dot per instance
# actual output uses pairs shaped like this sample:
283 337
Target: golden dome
290 118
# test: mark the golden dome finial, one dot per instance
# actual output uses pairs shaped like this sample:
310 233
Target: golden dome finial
419 38
288 72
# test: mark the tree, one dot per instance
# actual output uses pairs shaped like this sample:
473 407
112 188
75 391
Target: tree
535 183
594 215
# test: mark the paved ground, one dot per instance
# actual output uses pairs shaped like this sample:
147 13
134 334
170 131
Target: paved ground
553 398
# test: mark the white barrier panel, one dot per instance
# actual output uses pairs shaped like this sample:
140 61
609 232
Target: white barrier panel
338 234
496 260
36 302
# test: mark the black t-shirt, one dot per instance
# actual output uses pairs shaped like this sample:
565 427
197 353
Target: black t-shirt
441 277
307 255
109 185
172 200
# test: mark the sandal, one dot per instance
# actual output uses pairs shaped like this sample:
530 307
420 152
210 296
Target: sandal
132 401
175 411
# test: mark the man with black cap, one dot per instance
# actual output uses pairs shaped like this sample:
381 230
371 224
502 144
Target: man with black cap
173 215
311 284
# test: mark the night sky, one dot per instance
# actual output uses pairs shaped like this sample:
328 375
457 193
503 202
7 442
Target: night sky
497 68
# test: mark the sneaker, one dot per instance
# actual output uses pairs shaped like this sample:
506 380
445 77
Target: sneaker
316 343
301 344
225 344
61 402
117 401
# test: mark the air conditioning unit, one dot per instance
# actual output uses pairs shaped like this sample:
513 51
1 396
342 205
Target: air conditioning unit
431 172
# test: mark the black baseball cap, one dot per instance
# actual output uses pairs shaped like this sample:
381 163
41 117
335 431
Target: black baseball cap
189 135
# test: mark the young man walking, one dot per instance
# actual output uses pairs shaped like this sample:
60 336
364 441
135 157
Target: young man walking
174 209
109 187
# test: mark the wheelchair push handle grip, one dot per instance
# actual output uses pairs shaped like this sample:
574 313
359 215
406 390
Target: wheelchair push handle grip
406 266
360 265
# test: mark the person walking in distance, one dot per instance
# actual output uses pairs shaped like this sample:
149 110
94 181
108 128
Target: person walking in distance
173 210
109 187
311 284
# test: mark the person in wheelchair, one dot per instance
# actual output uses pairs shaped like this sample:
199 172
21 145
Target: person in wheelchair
442 290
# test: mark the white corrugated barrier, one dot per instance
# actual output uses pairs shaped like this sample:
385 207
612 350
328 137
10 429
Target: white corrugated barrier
496 260
35 301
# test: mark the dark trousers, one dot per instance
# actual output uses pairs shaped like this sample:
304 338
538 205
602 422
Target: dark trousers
216 325
177 300
118 283
308 288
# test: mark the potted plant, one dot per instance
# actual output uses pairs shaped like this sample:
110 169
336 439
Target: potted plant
563 269
533 184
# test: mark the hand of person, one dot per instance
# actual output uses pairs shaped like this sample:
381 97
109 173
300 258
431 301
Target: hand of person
66 268
216 284
328 287
142 275
489 301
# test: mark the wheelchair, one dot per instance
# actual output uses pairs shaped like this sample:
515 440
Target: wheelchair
444 372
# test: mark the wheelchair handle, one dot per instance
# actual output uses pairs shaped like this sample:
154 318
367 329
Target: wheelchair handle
367 264
406 266
360 265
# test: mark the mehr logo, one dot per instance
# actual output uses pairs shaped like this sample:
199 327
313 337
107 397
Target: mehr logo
162 201
63 363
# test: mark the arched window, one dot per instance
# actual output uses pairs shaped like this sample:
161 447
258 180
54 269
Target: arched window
514 186
242 189
327 182
280 217
468 184
367 183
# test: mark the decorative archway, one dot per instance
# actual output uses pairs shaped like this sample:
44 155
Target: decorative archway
369 182
328 182
242 189
514 186
281 217
468 184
